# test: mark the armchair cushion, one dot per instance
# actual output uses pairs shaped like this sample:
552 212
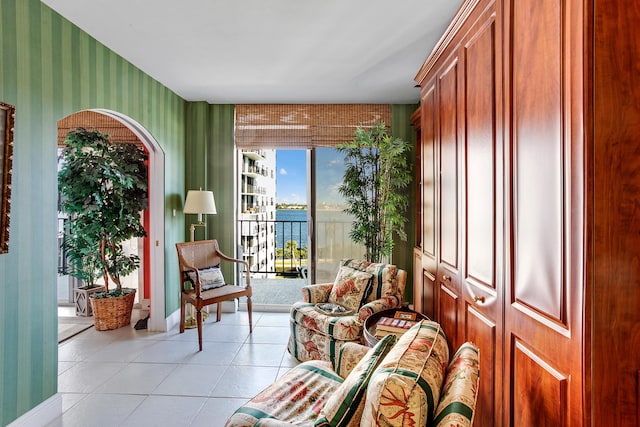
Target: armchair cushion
385 278
350 288
344 407
405 389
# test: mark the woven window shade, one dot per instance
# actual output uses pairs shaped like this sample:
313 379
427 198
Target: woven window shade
92 120
304 125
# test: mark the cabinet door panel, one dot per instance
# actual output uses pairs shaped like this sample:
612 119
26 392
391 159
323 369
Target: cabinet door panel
480 157
484 333
428 132
449 316
429 295
538 158
483 207
418 296
540 391
543 307
448 165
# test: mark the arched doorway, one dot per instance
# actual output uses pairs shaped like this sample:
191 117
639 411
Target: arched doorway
124 128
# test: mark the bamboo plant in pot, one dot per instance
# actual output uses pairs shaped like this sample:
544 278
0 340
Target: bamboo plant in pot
103 188
377 172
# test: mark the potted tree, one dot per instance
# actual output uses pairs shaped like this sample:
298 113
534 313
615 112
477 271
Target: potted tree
104 188
377 171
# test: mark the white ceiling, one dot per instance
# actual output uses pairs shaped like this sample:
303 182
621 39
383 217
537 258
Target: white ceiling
271 51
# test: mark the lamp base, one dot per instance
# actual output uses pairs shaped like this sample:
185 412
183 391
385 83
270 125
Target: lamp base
192 229
190 321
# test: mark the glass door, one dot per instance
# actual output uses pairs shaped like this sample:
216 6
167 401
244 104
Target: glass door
329 226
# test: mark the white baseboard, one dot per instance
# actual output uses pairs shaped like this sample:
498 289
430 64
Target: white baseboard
173 320
230 306
266 308
42 414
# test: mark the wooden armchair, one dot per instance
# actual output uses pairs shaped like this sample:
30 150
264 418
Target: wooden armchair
202 284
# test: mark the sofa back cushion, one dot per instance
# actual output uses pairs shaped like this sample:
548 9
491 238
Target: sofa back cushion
460 392
344 407
350 288
405 389
385 280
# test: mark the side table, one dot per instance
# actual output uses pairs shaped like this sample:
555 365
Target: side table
371 321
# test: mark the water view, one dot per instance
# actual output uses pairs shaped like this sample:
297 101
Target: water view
291 224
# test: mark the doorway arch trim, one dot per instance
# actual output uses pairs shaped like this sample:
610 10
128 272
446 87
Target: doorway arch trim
157 320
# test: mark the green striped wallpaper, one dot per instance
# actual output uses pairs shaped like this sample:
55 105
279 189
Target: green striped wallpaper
403 251
210 155
48 70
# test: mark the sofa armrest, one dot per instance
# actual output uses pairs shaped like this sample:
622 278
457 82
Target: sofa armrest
348 357
460 390
378 305
316 293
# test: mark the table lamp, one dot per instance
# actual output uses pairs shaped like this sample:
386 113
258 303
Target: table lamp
199 202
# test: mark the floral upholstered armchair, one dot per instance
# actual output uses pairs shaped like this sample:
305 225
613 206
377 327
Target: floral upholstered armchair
362 289
401 382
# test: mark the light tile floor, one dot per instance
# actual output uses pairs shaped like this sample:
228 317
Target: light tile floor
136 378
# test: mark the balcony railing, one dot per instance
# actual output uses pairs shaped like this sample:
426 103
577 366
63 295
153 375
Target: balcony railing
287 253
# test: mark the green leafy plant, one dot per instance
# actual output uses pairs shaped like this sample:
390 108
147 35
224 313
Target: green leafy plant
377 170
103 188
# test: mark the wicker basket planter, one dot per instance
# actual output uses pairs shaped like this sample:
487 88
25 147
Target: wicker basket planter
112 313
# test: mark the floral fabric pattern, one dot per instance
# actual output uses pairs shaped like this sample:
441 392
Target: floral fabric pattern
316 293
345 328
348 357
377 306
405 389
460 391
344 407
297 397
316 335
385 278
305 343
350 288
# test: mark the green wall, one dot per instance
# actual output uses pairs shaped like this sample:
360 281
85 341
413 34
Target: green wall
403 250
210 165
48 70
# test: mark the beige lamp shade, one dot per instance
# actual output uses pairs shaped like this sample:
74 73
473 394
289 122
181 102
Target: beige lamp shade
200 202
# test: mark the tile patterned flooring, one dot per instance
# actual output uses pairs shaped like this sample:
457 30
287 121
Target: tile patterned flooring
136 378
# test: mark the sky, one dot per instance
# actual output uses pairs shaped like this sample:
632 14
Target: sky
291 179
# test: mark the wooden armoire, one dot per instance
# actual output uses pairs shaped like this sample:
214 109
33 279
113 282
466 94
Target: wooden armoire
529 237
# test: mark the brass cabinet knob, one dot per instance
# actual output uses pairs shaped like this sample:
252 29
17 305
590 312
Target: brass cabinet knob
446 278
478 299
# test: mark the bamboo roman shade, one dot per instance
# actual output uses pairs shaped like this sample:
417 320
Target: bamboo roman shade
303 125
93 120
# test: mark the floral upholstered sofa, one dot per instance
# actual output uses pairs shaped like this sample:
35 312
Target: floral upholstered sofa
362 287
408 381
